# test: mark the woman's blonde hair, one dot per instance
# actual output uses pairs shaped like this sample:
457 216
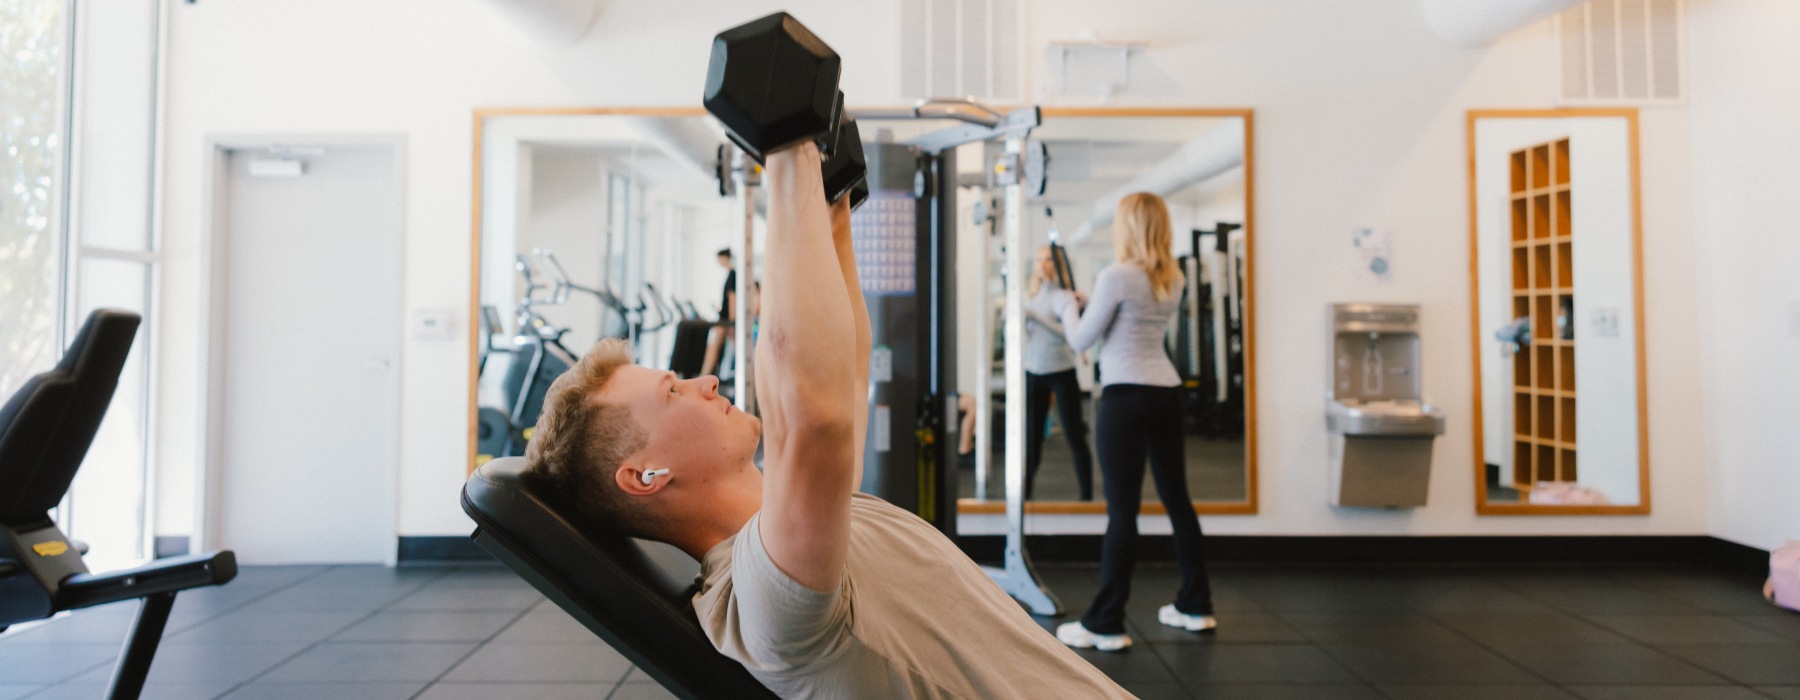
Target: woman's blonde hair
1142 237
1035 280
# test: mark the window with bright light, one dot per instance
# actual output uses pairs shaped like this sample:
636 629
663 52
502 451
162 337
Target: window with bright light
33 96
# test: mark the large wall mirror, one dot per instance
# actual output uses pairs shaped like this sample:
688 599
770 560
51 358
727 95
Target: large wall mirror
1558 312
589 223
593 223
1200 161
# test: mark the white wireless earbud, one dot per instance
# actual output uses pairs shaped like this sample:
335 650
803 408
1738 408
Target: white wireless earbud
651 474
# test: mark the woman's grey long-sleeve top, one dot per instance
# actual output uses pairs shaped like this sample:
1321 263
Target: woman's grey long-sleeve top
1125 313
1046 352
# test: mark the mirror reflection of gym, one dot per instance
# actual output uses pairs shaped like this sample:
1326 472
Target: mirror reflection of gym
1199 161
593 224
598 222
1558 313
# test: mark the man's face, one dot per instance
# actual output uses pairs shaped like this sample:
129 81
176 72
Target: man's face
725 261
692 430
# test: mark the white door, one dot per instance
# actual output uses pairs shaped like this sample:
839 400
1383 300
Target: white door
306 451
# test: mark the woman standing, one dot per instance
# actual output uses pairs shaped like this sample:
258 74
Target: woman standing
1050 371
1139 416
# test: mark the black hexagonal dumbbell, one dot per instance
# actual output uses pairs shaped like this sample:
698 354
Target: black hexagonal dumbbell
773 84
845 166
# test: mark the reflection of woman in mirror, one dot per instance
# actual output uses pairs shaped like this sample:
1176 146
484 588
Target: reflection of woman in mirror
1139 417
1050 371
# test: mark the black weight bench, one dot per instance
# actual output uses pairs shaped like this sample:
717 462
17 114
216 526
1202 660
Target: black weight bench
45 431
635 598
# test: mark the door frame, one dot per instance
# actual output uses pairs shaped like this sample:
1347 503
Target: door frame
215 282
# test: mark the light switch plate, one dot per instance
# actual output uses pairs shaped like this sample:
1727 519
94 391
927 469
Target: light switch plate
433 324
1794 318
1606 322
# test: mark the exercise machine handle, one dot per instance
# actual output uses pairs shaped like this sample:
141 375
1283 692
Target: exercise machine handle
160 576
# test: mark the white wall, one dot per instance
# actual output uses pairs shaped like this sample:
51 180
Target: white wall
1746 246
567 215
1358 124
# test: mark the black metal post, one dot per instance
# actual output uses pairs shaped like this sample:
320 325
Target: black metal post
937 402
140 647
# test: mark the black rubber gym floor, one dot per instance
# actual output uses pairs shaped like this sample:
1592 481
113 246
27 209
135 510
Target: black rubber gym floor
438 633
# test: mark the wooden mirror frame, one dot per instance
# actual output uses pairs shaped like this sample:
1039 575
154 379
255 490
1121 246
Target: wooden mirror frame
1248 506
968 505
1482 506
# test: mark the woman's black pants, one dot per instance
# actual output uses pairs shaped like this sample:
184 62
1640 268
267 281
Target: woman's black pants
1136 422
1038 390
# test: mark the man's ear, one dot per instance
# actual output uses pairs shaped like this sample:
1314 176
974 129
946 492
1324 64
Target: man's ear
630 478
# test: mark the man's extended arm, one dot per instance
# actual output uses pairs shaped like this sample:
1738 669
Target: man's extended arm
859 312
807 377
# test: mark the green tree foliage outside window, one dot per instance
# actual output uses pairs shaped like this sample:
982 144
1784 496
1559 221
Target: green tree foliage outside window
32 42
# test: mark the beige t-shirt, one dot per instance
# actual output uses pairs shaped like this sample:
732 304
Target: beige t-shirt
913 618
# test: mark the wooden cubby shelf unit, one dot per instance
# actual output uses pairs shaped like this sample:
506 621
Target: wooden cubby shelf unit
1543 288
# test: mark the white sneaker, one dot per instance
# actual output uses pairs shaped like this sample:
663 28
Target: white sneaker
1177 619
1073 634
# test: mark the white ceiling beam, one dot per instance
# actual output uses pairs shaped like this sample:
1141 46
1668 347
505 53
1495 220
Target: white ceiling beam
1476 23
557 22
1214 151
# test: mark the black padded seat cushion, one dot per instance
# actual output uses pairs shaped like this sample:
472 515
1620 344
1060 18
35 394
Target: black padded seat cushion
49 423
607 581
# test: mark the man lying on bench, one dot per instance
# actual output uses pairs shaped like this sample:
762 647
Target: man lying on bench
817 590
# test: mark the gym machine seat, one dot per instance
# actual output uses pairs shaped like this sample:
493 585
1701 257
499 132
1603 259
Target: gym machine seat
607 581
45 431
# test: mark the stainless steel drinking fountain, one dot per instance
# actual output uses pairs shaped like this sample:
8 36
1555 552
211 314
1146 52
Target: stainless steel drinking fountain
1381 428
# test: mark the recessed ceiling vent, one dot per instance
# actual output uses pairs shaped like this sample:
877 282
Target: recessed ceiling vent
1631 52
963 48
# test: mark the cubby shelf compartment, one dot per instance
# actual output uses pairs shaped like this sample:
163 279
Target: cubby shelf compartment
1543 284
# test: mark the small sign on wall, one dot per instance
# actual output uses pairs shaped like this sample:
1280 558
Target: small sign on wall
1374 253
881 364
882 438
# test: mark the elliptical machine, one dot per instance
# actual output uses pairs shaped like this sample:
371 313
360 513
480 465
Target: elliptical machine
538 357
632 321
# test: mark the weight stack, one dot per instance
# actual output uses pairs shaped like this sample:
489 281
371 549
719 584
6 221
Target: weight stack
902 257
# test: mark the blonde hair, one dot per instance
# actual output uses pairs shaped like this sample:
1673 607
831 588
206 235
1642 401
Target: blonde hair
1142 237
1035 280
580 442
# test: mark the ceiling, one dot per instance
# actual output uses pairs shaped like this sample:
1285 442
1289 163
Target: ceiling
1089 156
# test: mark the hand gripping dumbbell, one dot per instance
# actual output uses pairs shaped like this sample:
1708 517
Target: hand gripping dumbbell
773 84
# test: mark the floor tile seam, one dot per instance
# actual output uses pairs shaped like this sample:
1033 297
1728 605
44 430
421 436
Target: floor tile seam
619 684
1519 591
112 661
1163 661
1437 616
1635 583
303 650
1781 639
246 603
1730 680
477 649
1489 649
312 613
1302 629
1370 684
